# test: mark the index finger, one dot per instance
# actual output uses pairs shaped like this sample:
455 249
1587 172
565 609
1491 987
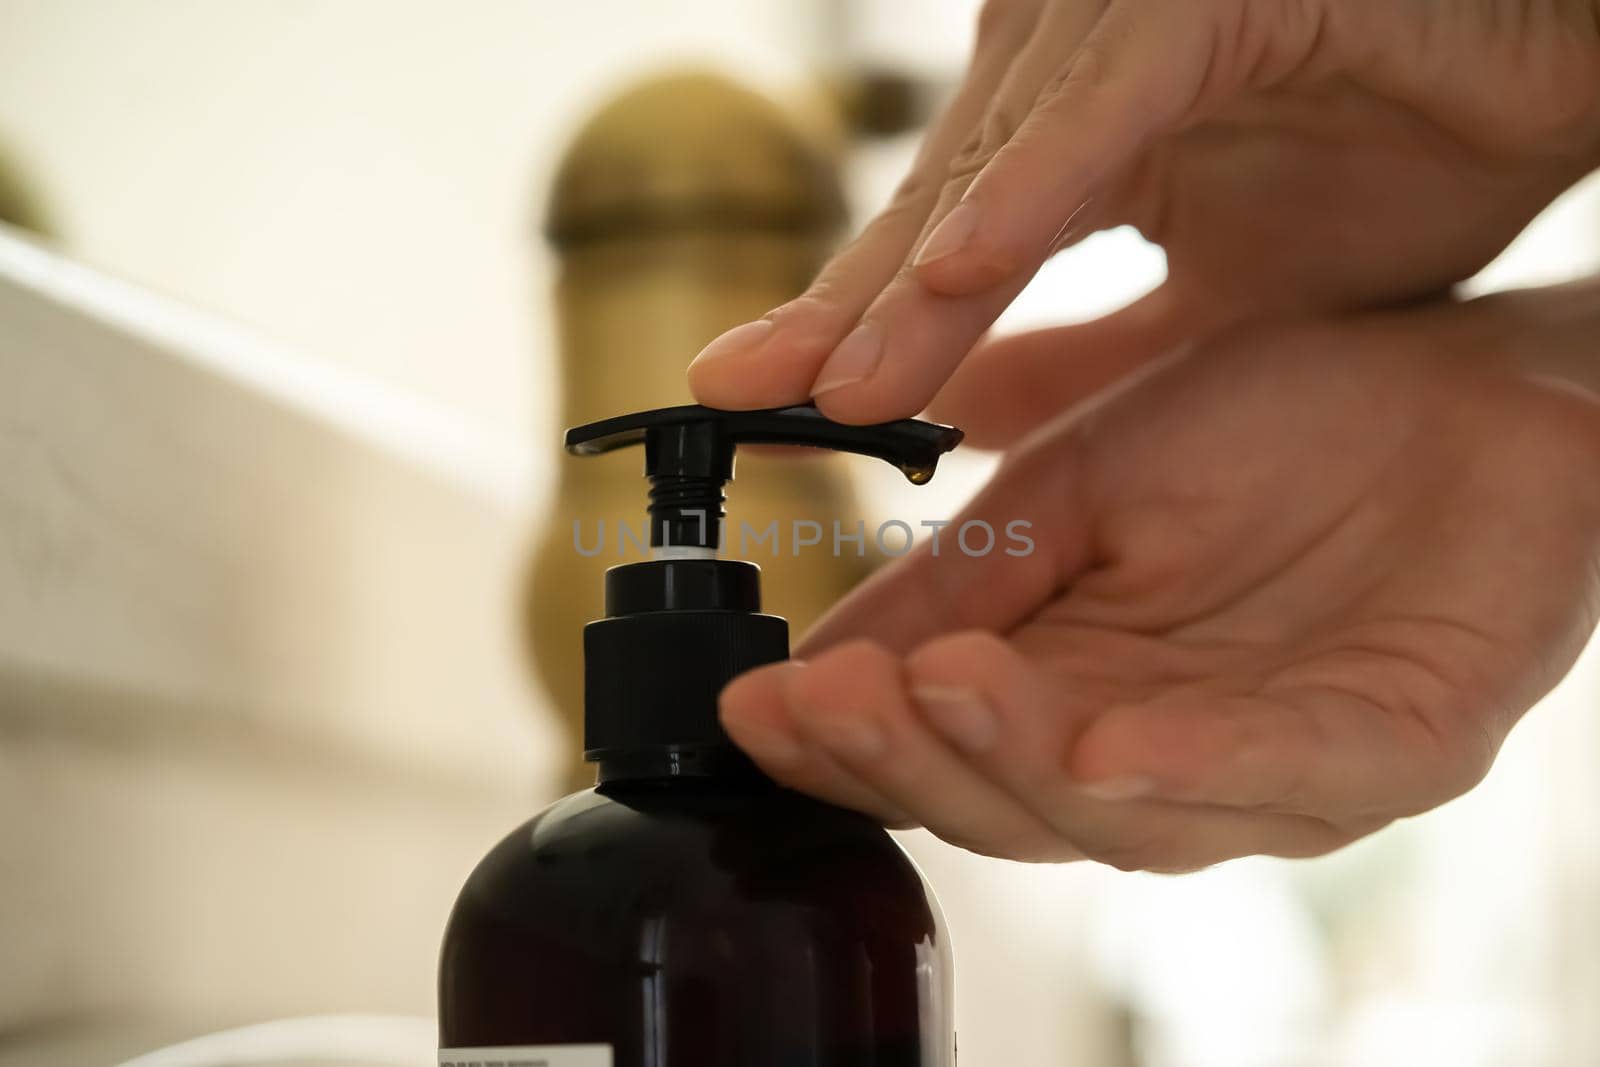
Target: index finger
774 360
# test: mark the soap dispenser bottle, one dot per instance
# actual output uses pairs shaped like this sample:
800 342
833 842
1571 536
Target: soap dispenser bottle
688 911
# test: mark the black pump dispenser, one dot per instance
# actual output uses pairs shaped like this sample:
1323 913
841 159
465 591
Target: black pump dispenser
688 455
689 911
681 626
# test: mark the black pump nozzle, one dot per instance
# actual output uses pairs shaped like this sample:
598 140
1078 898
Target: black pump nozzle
678 629
689 453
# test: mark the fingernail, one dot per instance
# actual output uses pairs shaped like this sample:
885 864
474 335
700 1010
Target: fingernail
951 235
765 744
851 736
1125 788
961 715
855 357
745 338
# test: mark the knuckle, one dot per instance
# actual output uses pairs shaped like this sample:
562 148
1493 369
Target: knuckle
1003 21
802 689
965 652
895 225
892 225
1253 745
1468 754
1002 119
827 292
903 280
1343 831
906 780
1456 754
1001 122
1086 70
914 195
1024 845
1146 851
969 161
857 654
817 684
992 14
814 303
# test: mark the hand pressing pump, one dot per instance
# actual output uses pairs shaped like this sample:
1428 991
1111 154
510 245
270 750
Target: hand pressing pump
687 911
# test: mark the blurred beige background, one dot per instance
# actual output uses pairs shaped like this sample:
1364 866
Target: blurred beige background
363 179
277 412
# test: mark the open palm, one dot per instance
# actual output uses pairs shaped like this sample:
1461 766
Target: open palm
1289 585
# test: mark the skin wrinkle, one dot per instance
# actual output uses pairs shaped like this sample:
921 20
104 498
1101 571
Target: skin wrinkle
1247 39
992 131
1319 42
1108 585
1173 624
1155 849
1328 530
1415 705
1113 651
1294 797
1345 828
1412 164
1436 717
1449 755
1063 483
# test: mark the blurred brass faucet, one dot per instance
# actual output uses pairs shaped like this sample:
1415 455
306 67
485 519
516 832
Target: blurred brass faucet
20 204
687 205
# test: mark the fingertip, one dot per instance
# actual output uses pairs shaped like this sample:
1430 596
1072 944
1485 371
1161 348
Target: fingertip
924 337
770 362
874 377
756 697
777 374
854 359
765 713
752 710
847 703
861 404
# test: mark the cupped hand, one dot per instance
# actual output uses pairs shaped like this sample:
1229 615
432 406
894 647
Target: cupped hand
1289 155
1288 585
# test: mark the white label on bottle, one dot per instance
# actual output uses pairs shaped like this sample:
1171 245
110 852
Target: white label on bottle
527 1056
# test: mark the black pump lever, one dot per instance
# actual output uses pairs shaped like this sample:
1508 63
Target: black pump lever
689 453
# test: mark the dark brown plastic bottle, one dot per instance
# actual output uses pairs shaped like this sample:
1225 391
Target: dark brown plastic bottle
702 921
687 911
